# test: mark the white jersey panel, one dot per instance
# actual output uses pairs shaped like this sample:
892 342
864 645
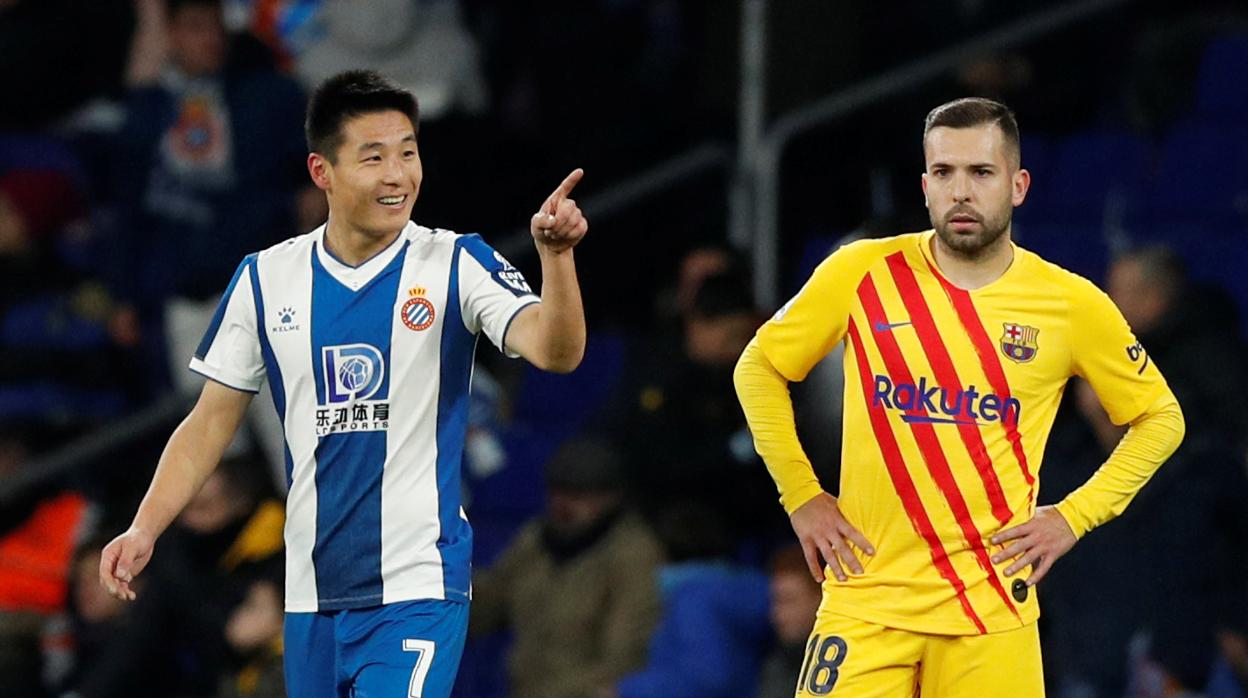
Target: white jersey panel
285 274
411 566
230 353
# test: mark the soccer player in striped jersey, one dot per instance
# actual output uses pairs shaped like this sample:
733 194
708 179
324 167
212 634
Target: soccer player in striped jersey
959 346
365 330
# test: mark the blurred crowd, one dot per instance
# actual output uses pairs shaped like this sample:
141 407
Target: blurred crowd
629 541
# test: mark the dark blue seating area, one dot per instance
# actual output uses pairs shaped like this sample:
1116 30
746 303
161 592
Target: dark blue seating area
549 408
1095 191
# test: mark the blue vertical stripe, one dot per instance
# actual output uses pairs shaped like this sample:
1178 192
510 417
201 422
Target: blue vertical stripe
458 347
271 369
213 327
347 553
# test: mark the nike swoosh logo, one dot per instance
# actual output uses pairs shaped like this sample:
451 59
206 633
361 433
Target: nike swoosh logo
885 327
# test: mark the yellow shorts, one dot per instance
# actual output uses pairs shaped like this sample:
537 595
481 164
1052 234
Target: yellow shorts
851 658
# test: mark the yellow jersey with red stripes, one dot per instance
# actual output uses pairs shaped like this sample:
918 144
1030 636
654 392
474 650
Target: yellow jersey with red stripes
949 398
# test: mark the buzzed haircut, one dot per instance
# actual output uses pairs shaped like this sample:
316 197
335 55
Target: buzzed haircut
970 112
347 95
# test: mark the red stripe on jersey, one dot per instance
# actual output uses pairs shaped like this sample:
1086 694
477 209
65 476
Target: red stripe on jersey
925 435
947 375
904 485
984 347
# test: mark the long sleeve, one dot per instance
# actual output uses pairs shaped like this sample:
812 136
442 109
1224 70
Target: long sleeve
1146 445
764 396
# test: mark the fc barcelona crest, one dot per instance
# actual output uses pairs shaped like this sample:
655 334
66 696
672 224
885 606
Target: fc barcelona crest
1019 342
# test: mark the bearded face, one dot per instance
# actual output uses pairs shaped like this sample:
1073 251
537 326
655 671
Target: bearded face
972 184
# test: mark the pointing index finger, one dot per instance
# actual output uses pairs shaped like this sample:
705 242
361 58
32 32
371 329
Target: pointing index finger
565 187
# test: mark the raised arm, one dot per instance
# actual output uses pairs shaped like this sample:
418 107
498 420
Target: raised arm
190 456
551 334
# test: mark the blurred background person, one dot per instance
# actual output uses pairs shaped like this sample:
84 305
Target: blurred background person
713 629
576 588
38 537
229 535
795 598
207 168
254 634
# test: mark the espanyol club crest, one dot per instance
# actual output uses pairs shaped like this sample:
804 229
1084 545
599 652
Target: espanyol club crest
1019 342
417 313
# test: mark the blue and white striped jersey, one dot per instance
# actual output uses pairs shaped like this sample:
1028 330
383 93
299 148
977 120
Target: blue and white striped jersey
370 369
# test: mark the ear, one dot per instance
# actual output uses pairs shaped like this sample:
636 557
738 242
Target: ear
924 181
321 171
1021 185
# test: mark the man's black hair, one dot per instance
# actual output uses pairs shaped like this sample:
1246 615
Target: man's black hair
346 96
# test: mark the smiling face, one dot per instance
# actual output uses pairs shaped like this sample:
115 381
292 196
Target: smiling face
374 176
972 184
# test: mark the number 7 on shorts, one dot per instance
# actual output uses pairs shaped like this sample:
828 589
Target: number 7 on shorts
424 659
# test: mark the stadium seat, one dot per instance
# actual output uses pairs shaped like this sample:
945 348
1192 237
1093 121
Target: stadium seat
1221 94
1215 254
1202 175
1080 248
565 402
1038 160
1094 177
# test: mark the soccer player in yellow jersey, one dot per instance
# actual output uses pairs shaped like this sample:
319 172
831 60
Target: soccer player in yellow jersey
959 345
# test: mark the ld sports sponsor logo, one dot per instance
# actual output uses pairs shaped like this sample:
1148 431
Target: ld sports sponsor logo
353 374
934 404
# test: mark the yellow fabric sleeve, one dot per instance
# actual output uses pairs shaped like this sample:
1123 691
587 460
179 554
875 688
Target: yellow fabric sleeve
802 332
1106 353
764 396
1146 445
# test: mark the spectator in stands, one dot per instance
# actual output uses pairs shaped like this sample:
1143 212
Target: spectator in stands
228 536
713 632
577 587
1187 329
64 341
688 433
208 170
424 47
795 598
254 633
1105 635
37 540
78 644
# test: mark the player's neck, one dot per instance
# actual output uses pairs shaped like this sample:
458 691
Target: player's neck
969 272
353 246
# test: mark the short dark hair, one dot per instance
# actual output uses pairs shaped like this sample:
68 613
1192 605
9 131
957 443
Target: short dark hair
346 96
969 112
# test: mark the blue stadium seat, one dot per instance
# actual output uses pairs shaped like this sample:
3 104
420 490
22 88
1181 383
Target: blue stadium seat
1038 160
1093 177
1221 93
1214 253
565 403
1080 248
1202 175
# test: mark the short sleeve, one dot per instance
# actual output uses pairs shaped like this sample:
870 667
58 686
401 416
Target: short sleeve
492 291
806 328
230 350
1107 355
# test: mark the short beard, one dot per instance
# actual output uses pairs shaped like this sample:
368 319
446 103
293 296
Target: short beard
971 245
